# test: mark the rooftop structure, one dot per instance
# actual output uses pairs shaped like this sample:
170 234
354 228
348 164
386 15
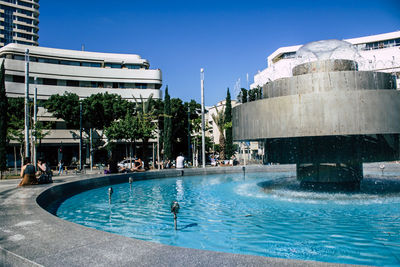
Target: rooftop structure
374 53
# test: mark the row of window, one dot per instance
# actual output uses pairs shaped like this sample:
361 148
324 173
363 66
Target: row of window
379 44
28 21
76 63
21 11
74 83
22 3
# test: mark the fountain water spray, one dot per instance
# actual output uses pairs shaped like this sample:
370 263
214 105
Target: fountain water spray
130 183
110 192
382 167
175 209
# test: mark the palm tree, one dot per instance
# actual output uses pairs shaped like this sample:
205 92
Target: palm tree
219 119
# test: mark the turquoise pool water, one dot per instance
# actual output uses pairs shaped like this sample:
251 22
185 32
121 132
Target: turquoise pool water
233 213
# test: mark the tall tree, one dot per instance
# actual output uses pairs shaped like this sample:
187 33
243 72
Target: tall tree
252 94
125 129
219 119
243 94
16 124
3 122
167 135
146 118
228 126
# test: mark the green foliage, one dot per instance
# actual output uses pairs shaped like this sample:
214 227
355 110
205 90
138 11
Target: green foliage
228 126
259 92
3 121
65 107
252 95
243 95
167 133
123 129
39 130
16 122
100 110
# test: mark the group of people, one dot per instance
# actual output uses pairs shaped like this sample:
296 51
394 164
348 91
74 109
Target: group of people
167 164
31 175
112 166
137 166
231 162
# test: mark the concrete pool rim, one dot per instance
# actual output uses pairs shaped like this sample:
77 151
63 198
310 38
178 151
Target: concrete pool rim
31 235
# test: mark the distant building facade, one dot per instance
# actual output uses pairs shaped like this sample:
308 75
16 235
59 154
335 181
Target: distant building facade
84 73
213 131
376 52
19 22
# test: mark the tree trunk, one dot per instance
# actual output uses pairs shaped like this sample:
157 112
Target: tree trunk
222 146
15 160
130 155
145 158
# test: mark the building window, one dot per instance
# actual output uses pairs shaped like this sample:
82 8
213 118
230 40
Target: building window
132 66
47 81
113 65
71 63
115 85
48 60
72 83
141 85
90 64
18 79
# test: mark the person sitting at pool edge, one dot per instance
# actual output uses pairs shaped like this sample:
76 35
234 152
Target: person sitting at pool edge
180 161
28 173
138 164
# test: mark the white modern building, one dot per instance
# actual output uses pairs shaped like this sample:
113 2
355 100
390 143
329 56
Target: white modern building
376 52
213 131
80 72
19 22
250 150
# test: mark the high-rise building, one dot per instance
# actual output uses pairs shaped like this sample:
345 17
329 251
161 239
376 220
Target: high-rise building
19 22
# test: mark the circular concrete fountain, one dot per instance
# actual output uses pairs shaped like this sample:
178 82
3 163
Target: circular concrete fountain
327 119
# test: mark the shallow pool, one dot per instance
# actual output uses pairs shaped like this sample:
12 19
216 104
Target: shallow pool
234 213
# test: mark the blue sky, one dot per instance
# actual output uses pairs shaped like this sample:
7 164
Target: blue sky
226 38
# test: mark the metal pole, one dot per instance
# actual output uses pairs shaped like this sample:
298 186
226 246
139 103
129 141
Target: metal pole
203 145
91 149
154 158
27 153
189 153
80 136
158 148
244 154
34 122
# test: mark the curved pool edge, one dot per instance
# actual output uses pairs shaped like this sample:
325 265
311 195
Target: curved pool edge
31 236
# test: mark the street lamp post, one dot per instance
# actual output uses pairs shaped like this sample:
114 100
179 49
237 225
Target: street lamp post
27 143
35 122
203 145
189 153
80 136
